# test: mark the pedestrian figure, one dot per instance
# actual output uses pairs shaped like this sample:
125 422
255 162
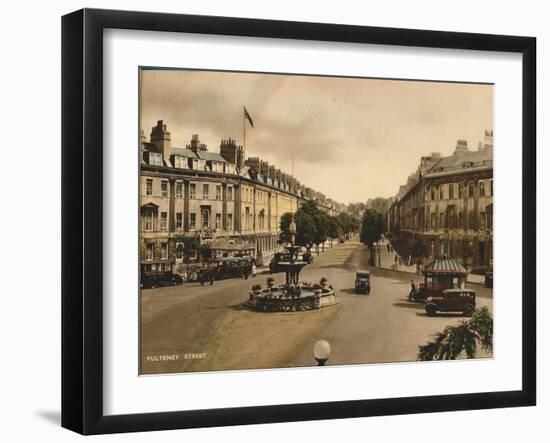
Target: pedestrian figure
201 276
412 292
388 247
211 276
253 270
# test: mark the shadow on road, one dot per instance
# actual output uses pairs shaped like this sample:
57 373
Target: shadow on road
349 291
409 305
445 315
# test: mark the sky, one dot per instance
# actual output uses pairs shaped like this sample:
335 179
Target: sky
350 138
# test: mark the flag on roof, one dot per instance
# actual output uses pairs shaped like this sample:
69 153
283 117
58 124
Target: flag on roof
247 116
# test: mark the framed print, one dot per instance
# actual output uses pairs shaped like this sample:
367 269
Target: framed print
270 221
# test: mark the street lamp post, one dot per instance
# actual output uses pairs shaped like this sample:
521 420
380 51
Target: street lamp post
321 352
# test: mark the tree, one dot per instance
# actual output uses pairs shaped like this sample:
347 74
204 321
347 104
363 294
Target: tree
284 225
379 204
321 219
372 228
464 337
356 209
334 229
305 229
419 248
344 220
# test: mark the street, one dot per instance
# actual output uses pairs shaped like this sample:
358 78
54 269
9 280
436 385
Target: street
204 328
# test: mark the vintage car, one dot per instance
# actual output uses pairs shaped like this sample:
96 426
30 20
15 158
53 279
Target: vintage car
451 300
362 282
441 274
153 279
277 258
307 257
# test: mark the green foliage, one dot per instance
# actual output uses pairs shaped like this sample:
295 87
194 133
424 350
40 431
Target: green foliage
356 209
321 220
464 337
372 227
305 229
334 230
314 226
284 225
205 251
419 248
347 223
379 204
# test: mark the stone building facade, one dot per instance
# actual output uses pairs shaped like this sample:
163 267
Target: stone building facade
191 196
446 207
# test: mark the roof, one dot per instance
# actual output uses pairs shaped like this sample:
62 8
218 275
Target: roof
184 152
211 156
363 272
148 146
462 160
445 266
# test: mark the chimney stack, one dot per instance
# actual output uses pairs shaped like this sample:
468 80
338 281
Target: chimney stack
231 152
254 163
461 146
160 137
196 144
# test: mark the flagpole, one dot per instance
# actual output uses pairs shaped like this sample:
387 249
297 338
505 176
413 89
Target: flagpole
244 136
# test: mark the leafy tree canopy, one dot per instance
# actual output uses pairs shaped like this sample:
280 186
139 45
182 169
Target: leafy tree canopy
372 227
284 236
305 229
464 337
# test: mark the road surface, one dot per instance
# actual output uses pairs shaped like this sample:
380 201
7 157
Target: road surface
203 328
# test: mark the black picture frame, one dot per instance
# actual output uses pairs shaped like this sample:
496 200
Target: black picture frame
82 231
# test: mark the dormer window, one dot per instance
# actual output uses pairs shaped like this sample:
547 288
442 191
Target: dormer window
195 163
155 159
217 166
180 162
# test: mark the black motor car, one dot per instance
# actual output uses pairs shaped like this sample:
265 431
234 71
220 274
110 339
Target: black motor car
362 282
153 279
307 257
452 300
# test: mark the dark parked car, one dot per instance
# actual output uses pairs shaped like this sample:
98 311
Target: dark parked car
362 282
153 279
452 300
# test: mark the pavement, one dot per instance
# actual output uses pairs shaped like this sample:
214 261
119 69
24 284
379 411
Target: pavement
193 328
387 261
